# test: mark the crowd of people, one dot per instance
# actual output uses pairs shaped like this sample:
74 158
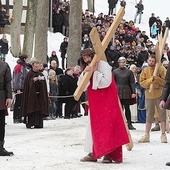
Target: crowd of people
60 16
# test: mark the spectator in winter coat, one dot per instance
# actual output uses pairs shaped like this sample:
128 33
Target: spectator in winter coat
66 23
167 22
63 50
112 6
142 57
163 28
112 57
85 28
59 73
152 19
139 11
143 35
53 82
55 67
129 38
154 30
67 87
4 47
159 24
86 42
57 21
19 74
54 57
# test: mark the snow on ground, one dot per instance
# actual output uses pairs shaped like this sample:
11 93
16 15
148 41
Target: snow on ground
60 144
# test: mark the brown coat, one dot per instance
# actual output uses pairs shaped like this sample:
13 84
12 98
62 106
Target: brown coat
5 84
31 100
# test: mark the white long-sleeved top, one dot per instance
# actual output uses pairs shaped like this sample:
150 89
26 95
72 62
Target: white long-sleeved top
102 77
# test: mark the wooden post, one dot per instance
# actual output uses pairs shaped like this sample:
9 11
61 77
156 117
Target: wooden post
159 49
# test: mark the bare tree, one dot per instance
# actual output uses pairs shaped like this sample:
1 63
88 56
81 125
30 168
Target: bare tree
29 28
15 27
41 29
90 4
75 32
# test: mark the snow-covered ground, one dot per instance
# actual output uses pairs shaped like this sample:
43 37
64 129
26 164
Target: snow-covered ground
60 144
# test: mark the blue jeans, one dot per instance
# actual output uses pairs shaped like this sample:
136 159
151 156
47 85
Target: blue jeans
140 16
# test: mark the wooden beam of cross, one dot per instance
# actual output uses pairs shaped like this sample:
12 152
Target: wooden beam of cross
159 50
99 54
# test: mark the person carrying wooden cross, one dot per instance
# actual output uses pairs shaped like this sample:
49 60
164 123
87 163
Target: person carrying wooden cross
106 131
152 99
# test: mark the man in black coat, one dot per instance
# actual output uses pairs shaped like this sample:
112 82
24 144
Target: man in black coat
67 86
142 57
112 57
57 21
112 6
167 22
63 50
5 101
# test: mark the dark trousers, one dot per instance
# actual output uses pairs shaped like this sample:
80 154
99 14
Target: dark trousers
59 112
2 124
126 105
16 114
34 119
110 11
63 62
58 28
69 108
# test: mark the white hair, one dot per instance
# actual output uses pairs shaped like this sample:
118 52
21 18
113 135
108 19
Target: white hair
132 66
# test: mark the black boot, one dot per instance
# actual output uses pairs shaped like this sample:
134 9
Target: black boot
130 126
4 152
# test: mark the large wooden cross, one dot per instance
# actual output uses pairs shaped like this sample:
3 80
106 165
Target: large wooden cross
99 48
159 50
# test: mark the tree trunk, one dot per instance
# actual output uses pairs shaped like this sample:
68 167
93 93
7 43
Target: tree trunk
15 27
41 30
29 29
91 5
75 32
